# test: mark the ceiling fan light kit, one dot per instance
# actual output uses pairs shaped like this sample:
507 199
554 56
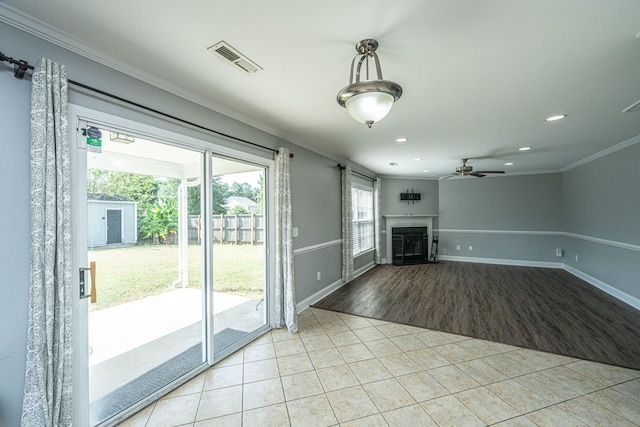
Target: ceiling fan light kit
368 100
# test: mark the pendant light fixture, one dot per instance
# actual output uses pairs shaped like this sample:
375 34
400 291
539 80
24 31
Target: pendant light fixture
368 100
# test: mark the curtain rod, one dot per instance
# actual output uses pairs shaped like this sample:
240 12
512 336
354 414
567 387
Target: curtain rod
20 67
341 167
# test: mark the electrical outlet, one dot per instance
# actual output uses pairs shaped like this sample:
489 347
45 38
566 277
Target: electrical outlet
457 247
318 275
558 252
470 247
294 231
576 257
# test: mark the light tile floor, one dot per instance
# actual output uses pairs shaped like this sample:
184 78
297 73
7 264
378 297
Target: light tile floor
344 370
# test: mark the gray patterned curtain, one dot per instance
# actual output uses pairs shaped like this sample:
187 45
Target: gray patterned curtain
48 395
285 304
347 226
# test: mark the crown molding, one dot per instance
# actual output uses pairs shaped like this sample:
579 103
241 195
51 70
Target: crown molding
628 143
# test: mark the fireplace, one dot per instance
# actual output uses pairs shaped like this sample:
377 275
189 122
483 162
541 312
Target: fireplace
404 221
409 245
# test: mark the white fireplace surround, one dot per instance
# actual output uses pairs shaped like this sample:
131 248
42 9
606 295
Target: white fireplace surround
392 221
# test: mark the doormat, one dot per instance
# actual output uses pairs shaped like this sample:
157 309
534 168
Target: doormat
158 377
226 337
146 384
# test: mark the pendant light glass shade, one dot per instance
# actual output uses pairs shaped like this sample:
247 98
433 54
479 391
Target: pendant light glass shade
369 106
368 101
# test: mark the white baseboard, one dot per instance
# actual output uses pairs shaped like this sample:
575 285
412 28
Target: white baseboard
305 303
500 261
362 270
309 301
614 292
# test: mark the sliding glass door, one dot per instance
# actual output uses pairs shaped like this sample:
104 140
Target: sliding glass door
171 259
239 251
145 313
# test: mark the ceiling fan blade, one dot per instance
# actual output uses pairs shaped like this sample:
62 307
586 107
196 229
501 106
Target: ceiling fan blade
450 175
477 174
489 171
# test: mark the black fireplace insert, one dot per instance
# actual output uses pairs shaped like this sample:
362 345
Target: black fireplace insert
410 245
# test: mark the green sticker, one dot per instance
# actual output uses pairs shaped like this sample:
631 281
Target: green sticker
94 145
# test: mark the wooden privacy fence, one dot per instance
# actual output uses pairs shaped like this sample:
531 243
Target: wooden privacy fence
234 229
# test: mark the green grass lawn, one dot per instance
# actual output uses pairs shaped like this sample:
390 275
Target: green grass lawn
129 273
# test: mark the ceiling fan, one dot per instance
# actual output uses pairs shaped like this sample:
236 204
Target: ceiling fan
465 170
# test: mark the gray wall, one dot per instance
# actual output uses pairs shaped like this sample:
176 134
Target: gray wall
390 203
515 218
521 202
316 211
315 187
14 252
602 218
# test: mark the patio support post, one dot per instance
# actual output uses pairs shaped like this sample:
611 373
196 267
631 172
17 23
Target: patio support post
183 234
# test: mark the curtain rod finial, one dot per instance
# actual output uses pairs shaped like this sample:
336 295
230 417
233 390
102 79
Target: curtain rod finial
19 66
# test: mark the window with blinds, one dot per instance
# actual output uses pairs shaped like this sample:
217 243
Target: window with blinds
362 207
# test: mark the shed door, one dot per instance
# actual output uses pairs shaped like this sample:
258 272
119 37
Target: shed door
114 226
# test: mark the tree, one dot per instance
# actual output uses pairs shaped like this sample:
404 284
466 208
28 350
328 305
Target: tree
243 189
194 206
169 188
260 195
220 194
139 188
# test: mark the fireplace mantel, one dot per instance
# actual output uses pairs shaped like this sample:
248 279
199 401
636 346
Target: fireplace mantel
406 221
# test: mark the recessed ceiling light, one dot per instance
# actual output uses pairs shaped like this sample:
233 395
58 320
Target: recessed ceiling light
393 164
554 118
524 148
401 140
509 164
417 159
425 170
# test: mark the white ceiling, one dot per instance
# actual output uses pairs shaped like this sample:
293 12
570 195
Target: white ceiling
479 76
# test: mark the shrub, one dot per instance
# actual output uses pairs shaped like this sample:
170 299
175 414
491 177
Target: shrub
160 221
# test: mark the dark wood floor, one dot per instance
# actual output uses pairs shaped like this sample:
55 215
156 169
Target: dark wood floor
537 308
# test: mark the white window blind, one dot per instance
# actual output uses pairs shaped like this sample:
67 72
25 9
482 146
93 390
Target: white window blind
362 208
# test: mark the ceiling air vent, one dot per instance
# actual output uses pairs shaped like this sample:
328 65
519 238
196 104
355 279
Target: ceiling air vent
632 107
235 58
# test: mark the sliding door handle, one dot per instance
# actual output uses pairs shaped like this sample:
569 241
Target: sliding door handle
85 291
